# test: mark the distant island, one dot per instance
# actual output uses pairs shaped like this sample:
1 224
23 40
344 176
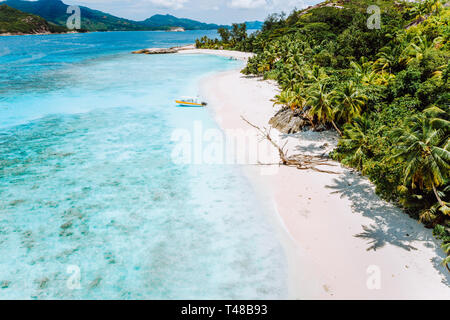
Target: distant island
55 12
15 22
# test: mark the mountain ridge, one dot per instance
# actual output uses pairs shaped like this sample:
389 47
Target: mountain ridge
55 11
160 20
16 22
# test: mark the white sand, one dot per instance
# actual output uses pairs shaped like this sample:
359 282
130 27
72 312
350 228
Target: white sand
223 53
334 227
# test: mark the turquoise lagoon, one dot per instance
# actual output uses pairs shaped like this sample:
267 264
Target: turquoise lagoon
91 205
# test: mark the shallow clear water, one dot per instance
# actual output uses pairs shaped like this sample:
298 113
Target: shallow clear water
88 188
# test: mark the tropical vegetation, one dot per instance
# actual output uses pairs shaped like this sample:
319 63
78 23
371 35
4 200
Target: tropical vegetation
384 90
16 22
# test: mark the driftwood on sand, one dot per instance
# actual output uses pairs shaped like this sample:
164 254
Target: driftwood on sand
302 162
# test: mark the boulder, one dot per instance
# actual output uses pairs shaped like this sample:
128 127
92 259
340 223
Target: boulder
289 121
156 51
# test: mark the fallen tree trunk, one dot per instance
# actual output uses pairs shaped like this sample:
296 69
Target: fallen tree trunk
301 162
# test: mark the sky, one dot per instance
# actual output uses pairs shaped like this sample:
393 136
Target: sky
211 11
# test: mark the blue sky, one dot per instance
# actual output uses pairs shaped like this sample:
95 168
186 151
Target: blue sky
216 11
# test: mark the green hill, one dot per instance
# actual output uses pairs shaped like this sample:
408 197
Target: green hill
167 21
55 11
17 22
254 25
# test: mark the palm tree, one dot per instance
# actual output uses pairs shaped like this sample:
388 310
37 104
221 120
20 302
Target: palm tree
356 141
350 102
440 117
424 8
288 78
269 57
388 58
284 98
292 98
383 78
316 75
363 70
421 45
366 71
299 100
425 151
321 105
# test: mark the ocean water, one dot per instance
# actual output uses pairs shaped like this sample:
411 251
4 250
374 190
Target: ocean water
92 205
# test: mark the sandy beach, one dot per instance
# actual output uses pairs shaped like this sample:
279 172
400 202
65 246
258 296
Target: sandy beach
238 55
342 241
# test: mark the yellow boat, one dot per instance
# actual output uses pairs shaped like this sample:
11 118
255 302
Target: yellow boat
190 102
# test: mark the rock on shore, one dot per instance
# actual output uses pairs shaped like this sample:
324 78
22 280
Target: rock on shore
292 121
162 50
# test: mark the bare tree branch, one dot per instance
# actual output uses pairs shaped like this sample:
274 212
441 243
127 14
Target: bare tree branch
301 162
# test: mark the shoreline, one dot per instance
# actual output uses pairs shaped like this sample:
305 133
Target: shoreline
337 233
236 55
191 49
9 34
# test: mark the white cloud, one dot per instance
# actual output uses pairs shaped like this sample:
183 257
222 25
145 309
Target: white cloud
214 11
286 5
248 4
169 4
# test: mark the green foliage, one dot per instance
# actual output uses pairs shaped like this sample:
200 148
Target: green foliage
234 39
406 82
165 22
443 233
425 151
15 21
387 89
354 147
350 102
225 34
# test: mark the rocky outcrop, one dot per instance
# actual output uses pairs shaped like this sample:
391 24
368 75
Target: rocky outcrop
156 51
290 121
162 50
421 19
320 5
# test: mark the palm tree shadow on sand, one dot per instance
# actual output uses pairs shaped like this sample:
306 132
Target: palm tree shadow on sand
390 224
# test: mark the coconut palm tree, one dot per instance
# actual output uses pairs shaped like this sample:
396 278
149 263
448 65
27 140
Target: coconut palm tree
424 8
363 70
388 59
288 78
285 98
300 99
316 75
355 142
426 152
420 46
440 117
292 98
322 105
350 102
